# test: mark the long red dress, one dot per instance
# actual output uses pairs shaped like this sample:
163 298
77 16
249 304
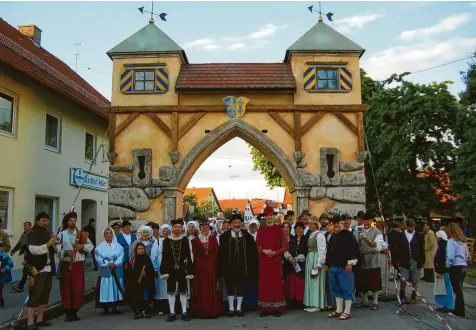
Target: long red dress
206 299
270 288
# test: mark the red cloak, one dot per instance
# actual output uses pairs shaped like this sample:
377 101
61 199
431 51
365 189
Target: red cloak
206 299
271 289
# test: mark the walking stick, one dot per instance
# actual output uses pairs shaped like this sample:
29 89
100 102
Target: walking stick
16 323
140 278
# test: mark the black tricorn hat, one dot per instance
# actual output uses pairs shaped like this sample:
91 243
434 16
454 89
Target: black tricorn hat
203 221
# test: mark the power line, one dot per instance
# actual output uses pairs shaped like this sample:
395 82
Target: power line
440 65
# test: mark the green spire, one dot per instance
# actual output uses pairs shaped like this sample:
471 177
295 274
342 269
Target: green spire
322 38
150 39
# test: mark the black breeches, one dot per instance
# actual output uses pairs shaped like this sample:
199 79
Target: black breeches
235 285
173 280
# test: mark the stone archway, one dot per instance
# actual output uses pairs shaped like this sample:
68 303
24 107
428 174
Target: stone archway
232 128
225 132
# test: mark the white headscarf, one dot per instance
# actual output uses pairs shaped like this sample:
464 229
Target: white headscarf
442 234
165 226
256 222
194 223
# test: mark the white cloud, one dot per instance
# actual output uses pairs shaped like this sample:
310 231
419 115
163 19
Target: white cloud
265 31
207 44
347 24
237 45
472 4
450 23
415 57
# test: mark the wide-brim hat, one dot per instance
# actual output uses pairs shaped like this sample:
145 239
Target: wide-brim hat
268 210
236 216
204 222
410 223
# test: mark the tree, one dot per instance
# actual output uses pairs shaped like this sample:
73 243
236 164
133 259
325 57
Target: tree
191 199
463 177
227 213
262 164
206 208
409 128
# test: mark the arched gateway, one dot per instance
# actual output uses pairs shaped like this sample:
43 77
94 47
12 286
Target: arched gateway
168 116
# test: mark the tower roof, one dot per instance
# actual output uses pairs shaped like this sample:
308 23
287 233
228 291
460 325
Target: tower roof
149 39
321 37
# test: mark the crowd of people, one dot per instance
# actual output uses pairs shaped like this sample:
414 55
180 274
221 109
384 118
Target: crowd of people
204 269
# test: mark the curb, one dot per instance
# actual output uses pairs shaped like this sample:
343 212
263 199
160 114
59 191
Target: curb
52 311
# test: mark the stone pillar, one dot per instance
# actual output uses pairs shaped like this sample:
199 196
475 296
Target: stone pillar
302 199
173 203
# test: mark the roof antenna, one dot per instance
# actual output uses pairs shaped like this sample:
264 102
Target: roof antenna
151 19
77 54
320 20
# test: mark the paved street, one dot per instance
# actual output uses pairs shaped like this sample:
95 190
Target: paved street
415 317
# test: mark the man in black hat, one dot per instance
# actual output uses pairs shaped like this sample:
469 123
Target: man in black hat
177 267
238 262
393 237
410 258
125 239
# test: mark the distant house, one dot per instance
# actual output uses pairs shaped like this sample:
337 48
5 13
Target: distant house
242 205
287 203
204 194
258 205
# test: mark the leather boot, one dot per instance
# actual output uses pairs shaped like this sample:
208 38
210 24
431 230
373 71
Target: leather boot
68 316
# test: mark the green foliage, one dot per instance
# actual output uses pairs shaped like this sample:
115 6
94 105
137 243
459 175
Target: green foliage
271 175
409 128
206 208
227 213
463 177
191 199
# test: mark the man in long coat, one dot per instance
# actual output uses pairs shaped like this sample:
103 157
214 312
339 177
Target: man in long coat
430 251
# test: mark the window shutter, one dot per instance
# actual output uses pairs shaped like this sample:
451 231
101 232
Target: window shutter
161 79
345 80
310 78
126 80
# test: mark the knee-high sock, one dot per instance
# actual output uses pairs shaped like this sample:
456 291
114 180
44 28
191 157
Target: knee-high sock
231 303
348 304
183 302
375 297
171 298
365 297
239 300
340 305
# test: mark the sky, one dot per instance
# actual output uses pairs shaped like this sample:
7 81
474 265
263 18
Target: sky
397 36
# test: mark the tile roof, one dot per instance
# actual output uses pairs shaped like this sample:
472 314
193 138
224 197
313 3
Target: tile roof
239 204
202 194
288 198
149 39
236 76
257 205
321 37
18 51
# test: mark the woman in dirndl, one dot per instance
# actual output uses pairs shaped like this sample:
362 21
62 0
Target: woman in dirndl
294 266
444 301
161 303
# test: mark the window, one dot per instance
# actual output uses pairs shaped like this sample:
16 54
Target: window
52 134
48 205
89 147
144 81
327 79
6 206
6 113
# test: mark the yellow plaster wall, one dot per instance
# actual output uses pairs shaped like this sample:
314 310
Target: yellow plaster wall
320 206
205 98
143 133
298 64
173 63
156 211
328 132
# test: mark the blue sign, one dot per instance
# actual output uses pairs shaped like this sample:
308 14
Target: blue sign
80 178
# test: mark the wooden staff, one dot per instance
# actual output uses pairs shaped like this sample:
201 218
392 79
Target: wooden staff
140 278
81 238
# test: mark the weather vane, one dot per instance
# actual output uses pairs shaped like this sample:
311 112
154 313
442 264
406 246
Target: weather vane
151 19
329 14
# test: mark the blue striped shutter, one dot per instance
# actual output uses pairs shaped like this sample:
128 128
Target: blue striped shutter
309 78
126 80
161 79
345 79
